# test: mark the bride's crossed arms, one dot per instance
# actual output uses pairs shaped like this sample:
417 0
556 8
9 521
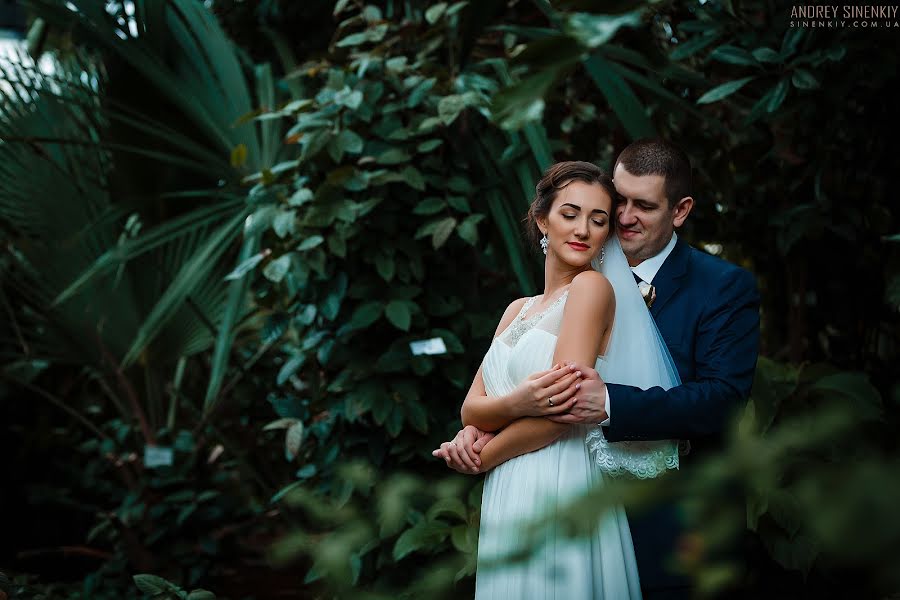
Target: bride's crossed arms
517 422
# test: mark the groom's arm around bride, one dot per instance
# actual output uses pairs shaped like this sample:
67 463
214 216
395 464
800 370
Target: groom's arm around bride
715 361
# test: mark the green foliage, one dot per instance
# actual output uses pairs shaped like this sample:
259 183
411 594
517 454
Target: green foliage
294 225
159 589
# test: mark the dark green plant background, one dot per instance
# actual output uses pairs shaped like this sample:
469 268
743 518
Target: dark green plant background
224 222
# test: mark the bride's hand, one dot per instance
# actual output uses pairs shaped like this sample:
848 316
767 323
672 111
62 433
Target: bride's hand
462 452
546 393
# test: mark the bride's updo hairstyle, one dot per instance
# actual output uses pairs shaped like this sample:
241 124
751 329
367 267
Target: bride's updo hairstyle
557 177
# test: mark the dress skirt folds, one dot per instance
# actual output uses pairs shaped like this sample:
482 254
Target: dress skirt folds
599 563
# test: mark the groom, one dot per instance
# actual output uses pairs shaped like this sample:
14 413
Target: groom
707 311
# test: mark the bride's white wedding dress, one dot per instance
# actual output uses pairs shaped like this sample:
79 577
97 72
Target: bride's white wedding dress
540 483
598 564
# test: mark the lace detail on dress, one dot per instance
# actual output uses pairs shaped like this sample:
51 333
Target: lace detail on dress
644 460
520 325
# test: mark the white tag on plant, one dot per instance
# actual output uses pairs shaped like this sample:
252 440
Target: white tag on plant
158 456
432 346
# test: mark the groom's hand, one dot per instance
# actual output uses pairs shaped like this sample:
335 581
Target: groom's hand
590 394
461 453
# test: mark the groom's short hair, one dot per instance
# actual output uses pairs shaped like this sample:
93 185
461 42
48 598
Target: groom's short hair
656 156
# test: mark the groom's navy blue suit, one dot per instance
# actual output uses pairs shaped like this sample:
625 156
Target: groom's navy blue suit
707 311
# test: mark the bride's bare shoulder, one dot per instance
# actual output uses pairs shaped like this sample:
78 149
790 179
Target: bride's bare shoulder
509 314
591 288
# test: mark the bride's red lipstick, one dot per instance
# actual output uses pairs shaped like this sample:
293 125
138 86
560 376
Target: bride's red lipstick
578 246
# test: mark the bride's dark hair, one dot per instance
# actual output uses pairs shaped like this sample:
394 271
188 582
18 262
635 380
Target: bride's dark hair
555 178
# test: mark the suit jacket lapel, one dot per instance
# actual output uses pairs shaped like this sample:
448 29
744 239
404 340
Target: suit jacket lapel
669 277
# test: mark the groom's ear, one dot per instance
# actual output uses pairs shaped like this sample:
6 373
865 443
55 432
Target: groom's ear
681 210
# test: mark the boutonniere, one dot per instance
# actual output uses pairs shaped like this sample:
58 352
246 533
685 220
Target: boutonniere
648 292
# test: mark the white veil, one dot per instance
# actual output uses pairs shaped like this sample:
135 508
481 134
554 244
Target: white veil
636 355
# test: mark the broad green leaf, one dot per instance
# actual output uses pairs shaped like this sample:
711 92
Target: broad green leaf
592 30
461 538
284 222
393 156
724 90
429 145
337 245
300 197
836 53
384 264
151 584
442 231
791 41
459 203
247 266
523 103
468 230
449 107
447 506
693 45
429 206
766 55
284 423
423 535
311 242
413 178
804 80
307 315
331 305
420 92
396 64
417 416
350 142
434 12
278 268
372 34
289 368
349 98
779 93
733 55
397 312
293 439
366 314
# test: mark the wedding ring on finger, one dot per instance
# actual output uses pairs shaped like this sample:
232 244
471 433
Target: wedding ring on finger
550 400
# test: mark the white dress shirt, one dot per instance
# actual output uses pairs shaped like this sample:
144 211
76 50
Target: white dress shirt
647 270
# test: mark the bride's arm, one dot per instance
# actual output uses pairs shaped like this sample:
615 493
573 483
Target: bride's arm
490 413
586 323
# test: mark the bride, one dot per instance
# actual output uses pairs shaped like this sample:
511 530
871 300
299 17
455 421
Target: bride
591 312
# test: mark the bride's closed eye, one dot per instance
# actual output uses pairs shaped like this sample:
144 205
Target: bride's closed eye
597 223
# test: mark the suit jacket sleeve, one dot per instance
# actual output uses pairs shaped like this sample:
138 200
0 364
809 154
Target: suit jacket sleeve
726 346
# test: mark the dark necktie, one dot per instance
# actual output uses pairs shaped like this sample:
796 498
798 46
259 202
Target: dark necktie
648 292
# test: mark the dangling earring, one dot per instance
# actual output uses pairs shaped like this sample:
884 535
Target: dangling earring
602 254
545 241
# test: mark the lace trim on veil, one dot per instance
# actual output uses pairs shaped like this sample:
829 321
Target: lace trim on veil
644 460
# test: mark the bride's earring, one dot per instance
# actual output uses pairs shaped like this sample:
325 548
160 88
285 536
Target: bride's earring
545 241
602 254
